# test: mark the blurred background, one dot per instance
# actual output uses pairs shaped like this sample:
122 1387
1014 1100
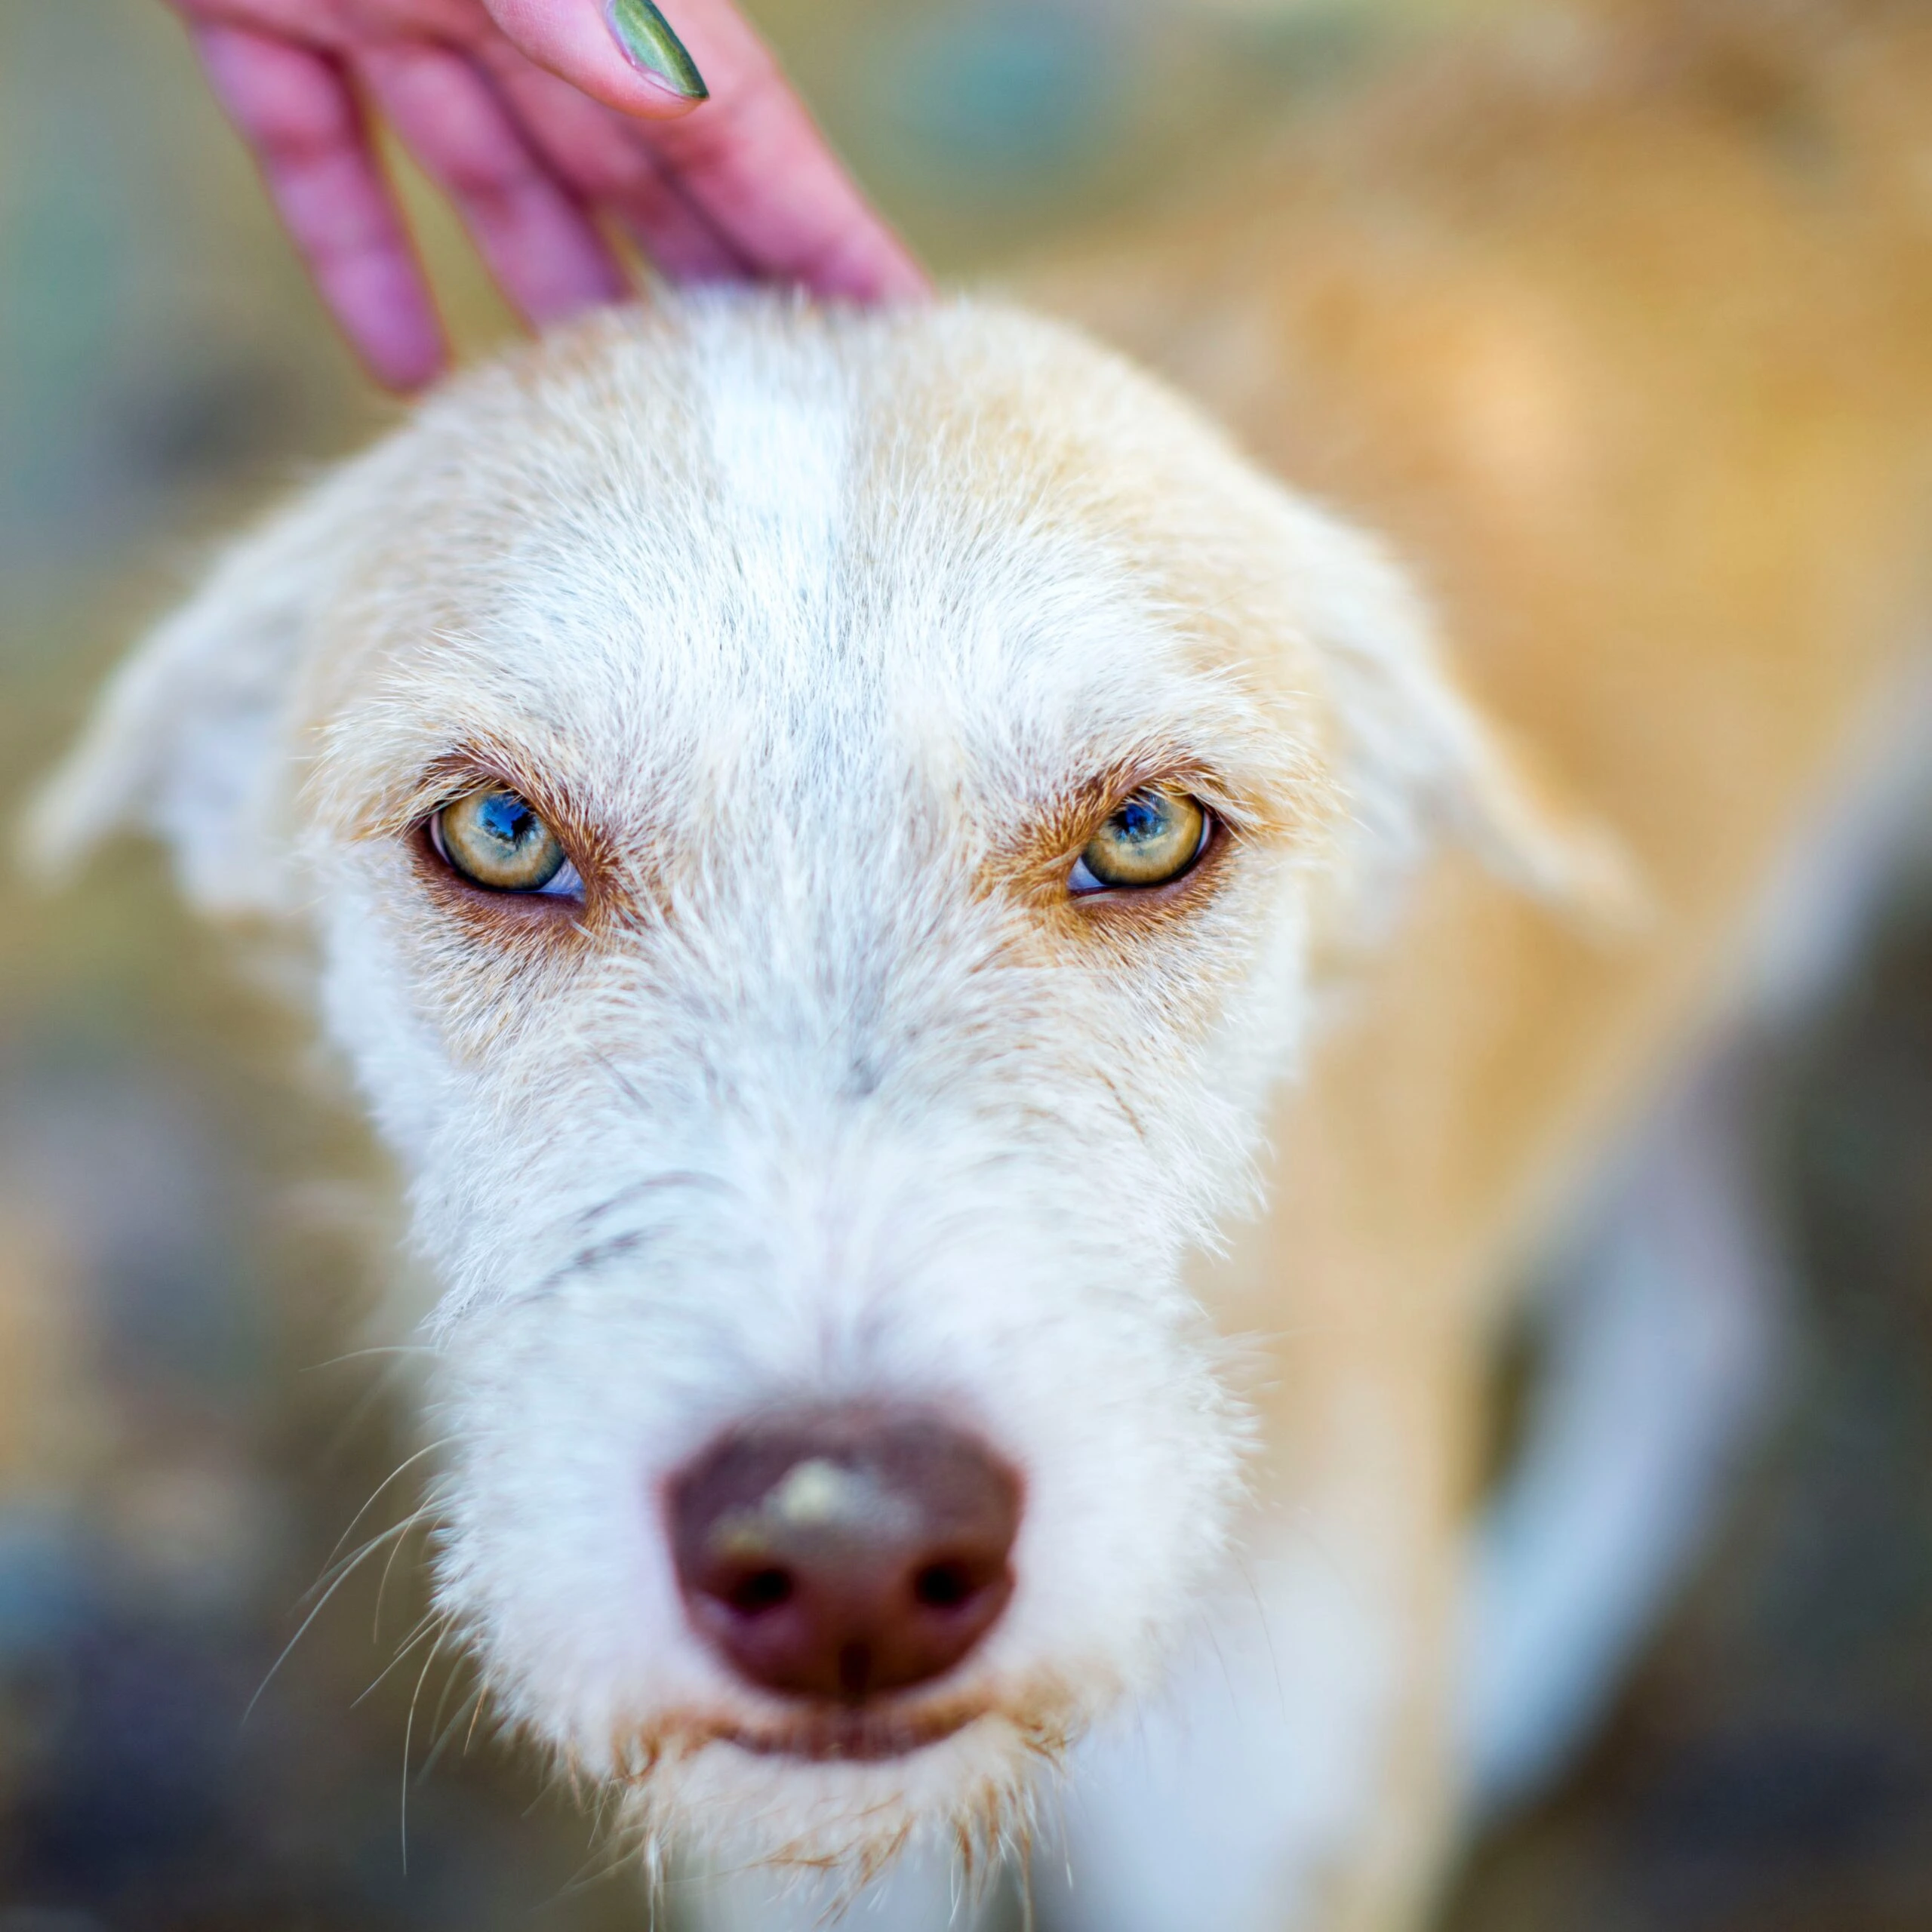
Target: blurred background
189 1220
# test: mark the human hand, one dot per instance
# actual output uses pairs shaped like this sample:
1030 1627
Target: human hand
536 117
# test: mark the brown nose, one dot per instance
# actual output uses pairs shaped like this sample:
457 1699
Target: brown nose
845 1553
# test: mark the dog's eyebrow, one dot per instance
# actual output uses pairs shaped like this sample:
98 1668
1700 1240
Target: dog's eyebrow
1284 805
484 760
1295 800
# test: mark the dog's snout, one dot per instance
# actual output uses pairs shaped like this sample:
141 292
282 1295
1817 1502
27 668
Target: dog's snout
847 1554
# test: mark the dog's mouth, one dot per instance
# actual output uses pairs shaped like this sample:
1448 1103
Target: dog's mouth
822 1734
872 1732
839 1790
858 1734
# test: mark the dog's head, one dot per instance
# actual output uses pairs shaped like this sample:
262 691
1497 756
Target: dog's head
816 827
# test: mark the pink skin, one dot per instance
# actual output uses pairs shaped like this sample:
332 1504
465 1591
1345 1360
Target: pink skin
529 117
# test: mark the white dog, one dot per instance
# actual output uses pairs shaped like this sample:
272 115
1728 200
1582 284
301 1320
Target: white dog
836 845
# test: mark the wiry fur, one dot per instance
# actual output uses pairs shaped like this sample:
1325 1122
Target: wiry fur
825 641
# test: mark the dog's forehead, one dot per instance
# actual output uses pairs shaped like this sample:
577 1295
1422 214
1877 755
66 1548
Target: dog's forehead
776 538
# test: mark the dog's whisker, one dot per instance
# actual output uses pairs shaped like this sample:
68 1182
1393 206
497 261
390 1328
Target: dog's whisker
408 1730
322 1603
428 1516
358 1413
408 1463
338 1569
482 1703
448 1731
460 1666
430 1621
606 1860
405 1349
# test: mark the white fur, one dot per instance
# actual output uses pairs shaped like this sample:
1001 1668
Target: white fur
1228 1798
810 615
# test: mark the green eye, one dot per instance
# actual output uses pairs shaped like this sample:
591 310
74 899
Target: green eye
494 840
1155 836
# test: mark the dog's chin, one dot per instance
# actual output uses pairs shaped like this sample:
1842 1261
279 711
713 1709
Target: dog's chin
842 1789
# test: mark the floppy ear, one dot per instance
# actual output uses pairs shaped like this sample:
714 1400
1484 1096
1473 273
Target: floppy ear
194 739
1419 762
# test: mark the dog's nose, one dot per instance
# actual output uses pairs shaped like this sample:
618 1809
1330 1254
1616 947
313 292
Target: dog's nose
847 1553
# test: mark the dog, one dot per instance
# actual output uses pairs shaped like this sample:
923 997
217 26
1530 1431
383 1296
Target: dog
981 1005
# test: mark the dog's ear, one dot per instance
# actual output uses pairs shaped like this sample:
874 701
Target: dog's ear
1418 762
194 739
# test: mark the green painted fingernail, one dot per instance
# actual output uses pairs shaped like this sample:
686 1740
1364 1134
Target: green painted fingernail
645 35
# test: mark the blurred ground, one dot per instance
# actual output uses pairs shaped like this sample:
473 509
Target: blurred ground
185 1218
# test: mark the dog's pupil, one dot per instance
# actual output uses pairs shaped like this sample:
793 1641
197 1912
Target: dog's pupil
506 818
1142 819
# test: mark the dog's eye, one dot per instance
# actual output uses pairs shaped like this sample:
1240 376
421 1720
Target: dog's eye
1155 837
494 840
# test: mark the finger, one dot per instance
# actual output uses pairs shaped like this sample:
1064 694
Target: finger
542 247
296 113
748 159
598 152
576 40
681 244
755 166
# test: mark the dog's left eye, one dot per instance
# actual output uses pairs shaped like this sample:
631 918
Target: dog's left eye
1152 838
494 840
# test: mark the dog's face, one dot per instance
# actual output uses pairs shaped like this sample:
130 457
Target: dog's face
816 829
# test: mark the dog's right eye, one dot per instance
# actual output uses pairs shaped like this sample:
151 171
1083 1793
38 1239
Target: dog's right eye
494 840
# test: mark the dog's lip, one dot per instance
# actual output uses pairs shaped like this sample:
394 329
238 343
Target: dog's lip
856 1733
872 1732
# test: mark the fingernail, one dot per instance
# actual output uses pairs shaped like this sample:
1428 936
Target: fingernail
645 35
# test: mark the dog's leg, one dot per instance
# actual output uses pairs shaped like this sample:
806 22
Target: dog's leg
1660 1343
